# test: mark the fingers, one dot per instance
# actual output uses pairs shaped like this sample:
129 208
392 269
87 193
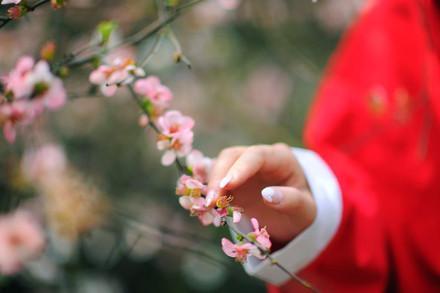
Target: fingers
290 201
269 159
222 164
246 166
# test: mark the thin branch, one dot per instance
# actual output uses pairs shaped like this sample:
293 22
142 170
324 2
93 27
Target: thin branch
274 262
136 38
29 8
180 166
152 52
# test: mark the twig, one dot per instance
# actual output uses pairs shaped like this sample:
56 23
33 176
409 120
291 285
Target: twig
274 262
180 166
29 8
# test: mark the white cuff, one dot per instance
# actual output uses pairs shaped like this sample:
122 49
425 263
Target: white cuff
302 250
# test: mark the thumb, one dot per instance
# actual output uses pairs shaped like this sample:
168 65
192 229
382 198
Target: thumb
290 201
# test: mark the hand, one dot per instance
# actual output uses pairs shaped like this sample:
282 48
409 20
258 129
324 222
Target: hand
268 182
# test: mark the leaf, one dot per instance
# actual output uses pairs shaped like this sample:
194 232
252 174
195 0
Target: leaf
105 29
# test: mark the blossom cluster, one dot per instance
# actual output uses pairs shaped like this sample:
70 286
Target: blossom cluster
25 92
256 243
20 8
175 138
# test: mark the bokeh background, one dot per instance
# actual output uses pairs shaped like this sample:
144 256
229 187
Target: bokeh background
255 68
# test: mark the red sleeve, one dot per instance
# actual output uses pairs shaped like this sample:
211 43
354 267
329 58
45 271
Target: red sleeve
367 111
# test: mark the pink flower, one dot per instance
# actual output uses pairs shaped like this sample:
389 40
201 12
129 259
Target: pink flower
16 81
159 95
5 2
240 251
29 88
121 71
44 163
177 136
260 235
46 86
21 240
199 165
206 215
12 114
189 186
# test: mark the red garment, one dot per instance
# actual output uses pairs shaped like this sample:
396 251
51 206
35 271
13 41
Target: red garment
376 124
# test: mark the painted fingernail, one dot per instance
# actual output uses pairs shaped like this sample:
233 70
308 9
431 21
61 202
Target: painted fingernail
272 195
225 181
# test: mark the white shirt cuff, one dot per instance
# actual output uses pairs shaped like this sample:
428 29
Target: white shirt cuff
302 250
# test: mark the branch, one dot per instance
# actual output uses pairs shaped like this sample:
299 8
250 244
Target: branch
134 39
30 8
274 262
182 168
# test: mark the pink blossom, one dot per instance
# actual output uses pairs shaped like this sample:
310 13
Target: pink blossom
143 120
21 240
240 251
17 80
121 71
5 2
44 163
199 165
177 136
229 4
30 88
206 215
189 186
12 114
159 95
260 235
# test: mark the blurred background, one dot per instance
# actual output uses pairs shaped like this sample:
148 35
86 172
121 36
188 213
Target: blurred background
255 68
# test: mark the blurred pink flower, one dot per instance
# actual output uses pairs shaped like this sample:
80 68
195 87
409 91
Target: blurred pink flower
240 251
21 240
176 137
12 114
29 88
121 71
229 4
159 95
5 2
260 235
17 80
188 186
45 163
199 165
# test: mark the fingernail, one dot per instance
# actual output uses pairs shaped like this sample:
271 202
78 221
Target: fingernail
272 195
225 181
210 197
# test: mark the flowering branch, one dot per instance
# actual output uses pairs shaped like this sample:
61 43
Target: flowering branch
266 253
20 10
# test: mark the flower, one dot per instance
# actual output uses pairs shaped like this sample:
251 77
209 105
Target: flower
206 215
21 239
159 95
16 82
188 186
72 206
12 114
199 165
260 235
29 88
240 251
121 71
176 136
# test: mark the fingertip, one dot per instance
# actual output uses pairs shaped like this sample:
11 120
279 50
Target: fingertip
226 180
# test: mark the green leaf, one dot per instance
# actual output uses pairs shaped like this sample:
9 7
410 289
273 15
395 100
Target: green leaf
105 29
